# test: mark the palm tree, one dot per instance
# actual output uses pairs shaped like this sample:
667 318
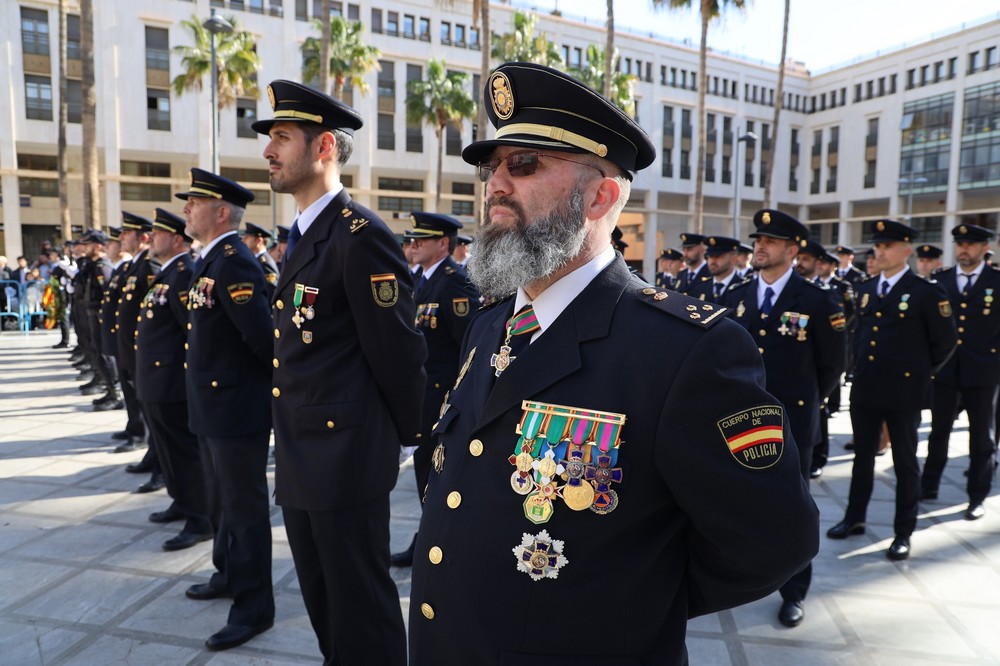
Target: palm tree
88 118
523 45
324 44
708 9
439 100
620 87
609 47
779 102
350 60
64 220
235 56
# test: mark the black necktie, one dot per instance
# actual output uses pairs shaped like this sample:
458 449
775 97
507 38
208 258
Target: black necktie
717 287
293 237
765 307
884 289
969 277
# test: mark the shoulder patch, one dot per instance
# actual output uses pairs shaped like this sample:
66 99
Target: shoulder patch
944 308
460 306
272 278
385 289
241 292
691 310
755 437
838 321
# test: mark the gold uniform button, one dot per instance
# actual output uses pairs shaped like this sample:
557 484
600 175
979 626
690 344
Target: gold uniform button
186 346
135 347
157 364
117 313
875 328
215 384
185 365
189 326
435 555
277 333
964 305
802 403
878 314
961 329
476 447
436 385
960 341
760 349
873 343
762 332
454 499
275 363
330 424
279 304
906 374
276 392
871 358
961 317
427 611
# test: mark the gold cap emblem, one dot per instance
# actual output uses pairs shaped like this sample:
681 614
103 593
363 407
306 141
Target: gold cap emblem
963 229
270 96
501 96
766 218
711 241
413 220
880 226
927 248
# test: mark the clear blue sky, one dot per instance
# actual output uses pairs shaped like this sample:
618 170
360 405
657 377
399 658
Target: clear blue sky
821 34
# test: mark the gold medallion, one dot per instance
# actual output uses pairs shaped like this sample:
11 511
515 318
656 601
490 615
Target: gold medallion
521 483
501 96
578 497
524 462
538 508
307 337
546 466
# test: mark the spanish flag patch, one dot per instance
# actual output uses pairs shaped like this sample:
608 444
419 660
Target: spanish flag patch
241 292
755 436
838 321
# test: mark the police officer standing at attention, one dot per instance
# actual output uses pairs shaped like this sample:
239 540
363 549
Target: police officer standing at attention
972 373
847 270
696 268
905 334
461 253
228 379
446 301
348 381
567 474
798 326
667 267
720 255
161 337
97 273
929 260
256 238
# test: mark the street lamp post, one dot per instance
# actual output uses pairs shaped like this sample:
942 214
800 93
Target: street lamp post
910 181
748 137
215 26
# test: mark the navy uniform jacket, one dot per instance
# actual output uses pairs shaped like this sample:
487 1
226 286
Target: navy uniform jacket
349 378
162 333
854 275
230 344
665 281
846 291
684 284
675 547
108 316
704 290
976 361
900 342
96 275
270 267
445 305
803 346
134 283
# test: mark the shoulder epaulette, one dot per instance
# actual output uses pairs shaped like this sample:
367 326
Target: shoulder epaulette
492 301
228 250
818 285
691 310
181 266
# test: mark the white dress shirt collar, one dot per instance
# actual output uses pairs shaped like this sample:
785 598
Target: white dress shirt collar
306 217
777 287
892 281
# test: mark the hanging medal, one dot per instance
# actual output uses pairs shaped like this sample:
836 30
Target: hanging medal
903 305
988 301
803 322
310 293
297 304
578 493
783 329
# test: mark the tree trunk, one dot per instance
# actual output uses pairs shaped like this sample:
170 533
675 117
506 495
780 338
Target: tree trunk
779 102
699 173
609 48
91 180
440 168
65 229
486 43
324 48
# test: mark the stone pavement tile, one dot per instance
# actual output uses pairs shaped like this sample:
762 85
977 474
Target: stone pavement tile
146 553
91 597
121 482
764 654
239 657
16 530
13 468
20 579
939 542
118 651
14 492
957 582
29 644
65 471
983 623
703 650
133 508
865 571
81 542
173 614
915 626
911 659
70 503
705 623
292 633
760 620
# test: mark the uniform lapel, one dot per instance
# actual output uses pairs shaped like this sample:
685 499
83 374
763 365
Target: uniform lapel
750 310
315 235
789 296
896 293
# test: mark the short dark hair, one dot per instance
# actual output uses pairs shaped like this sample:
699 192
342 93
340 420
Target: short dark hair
345 142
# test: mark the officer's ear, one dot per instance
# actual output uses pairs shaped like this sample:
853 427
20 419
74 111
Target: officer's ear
603 199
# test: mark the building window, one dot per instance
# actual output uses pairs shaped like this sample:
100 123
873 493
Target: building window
831 182
445 32
37 97
814 184
938 70
980 155
474 38
301 10
145 191
686 123
377 21
928 120
158 109
392 24
460 34
952 67
973 62
463 207
386 136
872 138
817 147
857 93
400 204
991 57
667 164
686 164
246 115
262 197
72 37
834 144
869 174
35 31
157 49
74 101
38 187
409 27
911 75
577 60
892 84
727 173
424 33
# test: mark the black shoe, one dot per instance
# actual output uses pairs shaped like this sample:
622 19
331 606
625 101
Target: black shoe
140 467
126 447
151 486
815 472
167 516
850 445
75 357
975 511
791 613
122 434
93 387
928 494
899 550
61 345
205 592
81 364
185 540
405 558
111 404
844 529
232 635
104 398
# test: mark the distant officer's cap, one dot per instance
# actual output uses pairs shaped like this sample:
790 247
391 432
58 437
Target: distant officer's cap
616 239
465 240
720 245
295 103
167 221
135 222
671 254
890 230
283 232
207 184
972 233
690 240
745 249
844 249
534 106
114 233
94 236
814 249
254 230
830 257
930 251
870 252
432 225
775 224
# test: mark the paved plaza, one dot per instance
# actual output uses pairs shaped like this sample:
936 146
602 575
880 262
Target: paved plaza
84 580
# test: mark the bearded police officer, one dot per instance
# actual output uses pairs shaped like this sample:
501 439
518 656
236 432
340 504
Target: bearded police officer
567 476
720 255
695 266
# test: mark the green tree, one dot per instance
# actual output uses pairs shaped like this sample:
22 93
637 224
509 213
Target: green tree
439 100
523 45
621 87
235 56
88 119
350 59
779 102
708 10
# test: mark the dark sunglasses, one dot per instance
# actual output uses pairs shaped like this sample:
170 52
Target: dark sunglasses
523 164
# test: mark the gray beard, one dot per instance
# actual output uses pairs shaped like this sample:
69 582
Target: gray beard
508 258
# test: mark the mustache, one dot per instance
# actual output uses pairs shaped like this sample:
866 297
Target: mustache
506 202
